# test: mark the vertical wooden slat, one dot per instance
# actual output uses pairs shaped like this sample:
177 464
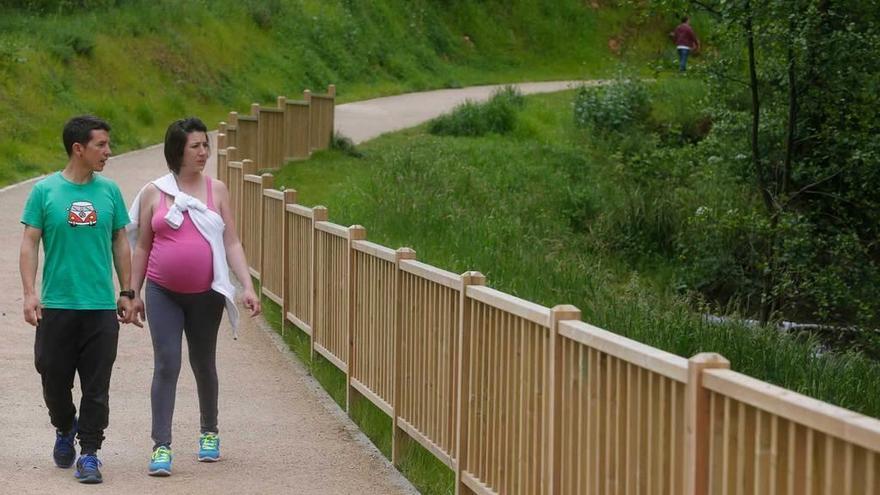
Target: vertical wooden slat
872 480
810 463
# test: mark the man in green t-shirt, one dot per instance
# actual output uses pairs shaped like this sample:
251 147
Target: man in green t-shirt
80 218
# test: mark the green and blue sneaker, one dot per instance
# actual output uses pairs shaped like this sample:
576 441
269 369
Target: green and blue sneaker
87 469
209 447
160 462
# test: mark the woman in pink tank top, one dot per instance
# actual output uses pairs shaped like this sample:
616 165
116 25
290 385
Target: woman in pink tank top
177 267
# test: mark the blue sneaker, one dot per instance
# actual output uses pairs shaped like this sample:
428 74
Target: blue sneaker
64 452
209 447
160 462
87 469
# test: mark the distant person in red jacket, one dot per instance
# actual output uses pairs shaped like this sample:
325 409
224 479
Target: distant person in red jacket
685 40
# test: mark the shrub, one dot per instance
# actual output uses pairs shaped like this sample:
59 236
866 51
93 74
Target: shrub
612 106
68 43
344 144
498 116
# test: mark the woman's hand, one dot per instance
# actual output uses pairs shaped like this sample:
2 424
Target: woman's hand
138 316
251 302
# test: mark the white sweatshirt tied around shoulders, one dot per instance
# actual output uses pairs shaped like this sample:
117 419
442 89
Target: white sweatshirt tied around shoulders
208 222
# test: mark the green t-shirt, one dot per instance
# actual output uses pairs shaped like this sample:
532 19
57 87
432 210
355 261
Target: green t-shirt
78 221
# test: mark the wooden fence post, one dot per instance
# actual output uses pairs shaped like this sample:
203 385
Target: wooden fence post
319 214
554 427
247 167
464 399
281 102
266 182
255 109
697 422
289 198
221 136
397 435
355 233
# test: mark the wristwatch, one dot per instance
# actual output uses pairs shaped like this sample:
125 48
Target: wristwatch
127 293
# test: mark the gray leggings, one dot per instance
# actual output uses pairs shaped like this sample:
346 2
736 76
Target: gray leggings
170 314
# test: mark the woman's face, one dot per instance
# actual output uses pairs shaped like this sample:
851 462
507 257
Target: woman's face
195 153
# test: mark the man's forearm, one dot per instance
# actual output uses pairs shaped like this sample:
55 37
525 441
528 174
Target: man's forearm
28 262
122 259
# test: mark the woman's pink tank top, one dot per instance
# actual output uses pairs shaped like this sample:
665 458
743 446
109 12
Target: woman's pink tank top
180 259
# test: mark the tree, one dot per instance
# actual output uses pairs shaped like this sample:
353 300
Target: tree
802 77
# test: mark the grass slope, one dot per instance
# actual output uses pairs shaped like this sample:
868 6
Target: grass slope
143 63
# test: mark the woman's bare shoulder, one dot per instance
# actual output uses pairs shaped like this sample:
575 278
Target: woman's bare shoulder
218 187
150 192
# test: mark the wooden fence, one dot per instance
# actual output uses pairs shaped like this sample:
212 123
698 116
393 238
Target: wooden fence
519 398
271 136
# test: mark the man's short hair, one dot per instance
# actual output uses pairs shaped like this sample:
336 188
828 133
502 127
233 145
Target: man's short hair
79 130
175 140
685 18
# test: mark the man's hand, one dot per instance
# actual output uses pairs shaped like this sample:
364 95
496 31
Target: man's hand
138 315
251 302
123 309
33 309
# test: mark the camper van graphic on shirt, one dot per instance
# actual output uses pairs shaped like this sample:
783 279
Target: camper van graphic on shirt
82 213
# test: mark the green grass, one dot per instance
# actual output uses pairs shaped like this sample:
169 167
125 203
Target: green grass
553 214
205 59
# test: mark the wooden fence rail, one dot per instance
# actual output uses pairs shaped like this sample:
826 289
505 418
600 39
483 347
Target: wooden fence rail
519 398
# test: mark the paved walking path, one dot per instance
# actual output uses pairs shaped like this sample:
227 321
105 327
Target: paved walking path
281 433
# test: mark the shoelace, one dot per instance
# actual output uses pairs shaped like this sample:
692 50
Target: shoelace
162 454
89 462
209 441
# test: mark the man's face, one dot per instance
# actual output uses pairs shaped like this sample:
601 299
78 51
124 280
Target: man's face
96 152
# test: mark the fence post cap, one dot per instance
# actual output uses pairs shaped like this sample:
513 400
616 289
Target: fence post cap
289 196
566 312
357 232
473 278
710 359
406 253
319 213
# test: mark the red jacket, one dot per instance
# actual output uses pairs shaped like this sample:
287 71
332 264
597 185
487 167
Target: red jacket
684 36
